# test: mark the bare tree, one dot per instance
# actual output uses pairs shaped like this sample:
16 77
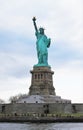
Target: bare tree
14 99
2 101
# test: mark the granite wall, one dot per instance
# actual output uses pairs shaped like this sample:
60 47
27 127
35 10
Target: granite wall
77 107
42 108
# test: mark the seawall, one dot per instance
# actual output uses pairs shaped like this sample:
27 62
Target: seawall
41 112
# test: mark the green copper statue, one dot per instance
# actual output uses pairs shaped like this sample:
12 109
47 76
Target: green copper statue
42 44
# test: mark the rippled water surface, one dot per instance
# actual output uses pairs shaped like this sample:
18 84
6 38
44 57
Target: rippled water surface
42 126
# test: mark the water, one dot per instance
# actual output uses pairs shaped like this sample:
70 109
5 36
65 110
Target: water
42 126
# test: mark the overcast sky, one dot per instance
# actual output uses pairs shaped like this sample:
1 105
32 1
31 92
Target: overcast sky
63 23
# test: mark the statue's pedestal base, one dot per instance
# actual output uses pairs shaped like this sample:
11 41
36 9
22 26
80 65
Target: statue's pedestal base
42 99
42 81
41 89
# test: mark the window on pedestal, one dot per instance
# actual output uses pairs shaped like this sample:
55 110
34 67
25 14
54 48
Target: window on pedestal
35 76
38 76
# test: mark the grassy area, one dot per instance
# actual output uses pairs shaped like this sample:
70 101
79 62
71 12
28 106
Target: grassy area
77 115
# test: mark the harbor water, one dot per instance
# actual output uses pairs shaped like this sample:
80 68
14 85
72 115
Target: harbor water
41 126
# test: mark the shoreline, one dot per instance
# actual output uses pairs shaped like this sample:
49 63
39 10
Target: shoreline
41 119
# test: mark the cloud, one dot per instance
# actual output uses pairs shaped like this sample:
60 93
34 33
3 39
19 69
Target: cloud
62 20
15 65
13 86
68 83
61 54
63 23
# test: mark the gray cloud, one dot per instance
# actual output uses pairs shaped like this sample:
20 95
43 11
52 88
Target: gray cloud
62 21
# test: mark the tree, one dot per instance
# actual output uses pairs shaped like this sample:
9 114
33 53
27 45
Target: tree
14 99
2 101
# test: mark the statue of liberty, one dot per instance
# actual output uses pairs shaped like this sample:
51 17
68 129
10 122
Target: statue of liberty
42 44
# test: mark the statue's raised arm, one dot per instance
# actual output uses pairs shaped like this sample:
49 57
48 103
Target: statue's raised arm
34 19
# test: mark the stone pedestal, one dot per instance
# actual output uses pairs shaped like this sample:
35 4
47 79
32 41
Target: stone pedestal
42 89
42 81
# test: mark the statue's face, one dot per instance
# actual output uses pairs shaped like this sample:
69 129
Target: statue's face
41 30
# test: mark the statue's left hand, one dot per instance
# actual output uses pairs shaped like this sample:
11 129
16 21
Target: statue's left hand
49 41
